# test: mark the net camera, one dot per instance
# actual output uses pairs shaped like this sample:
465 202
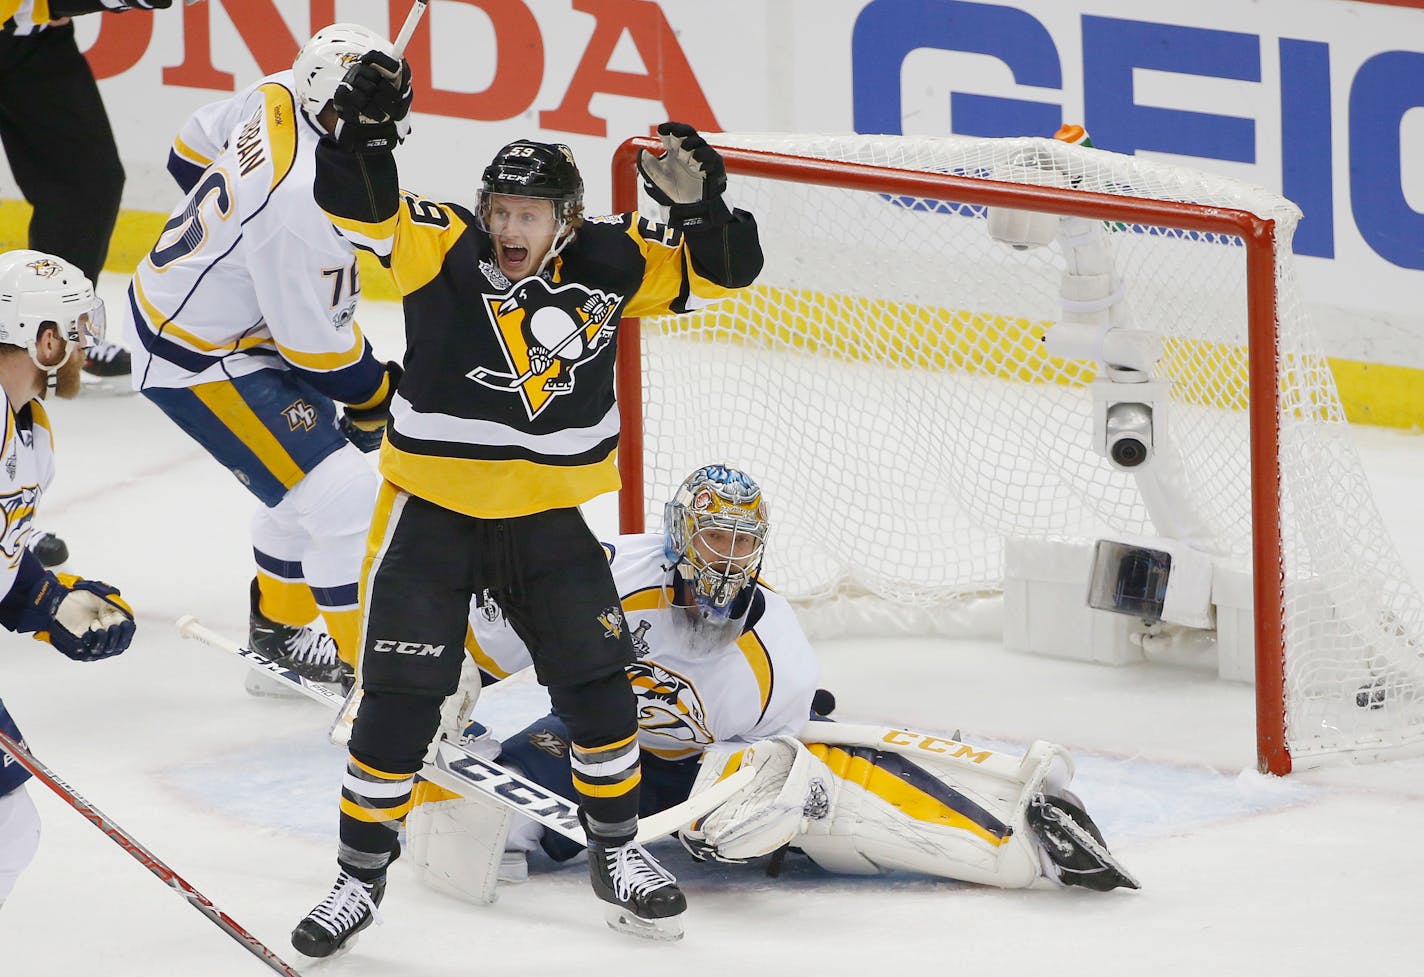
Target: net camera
1129 417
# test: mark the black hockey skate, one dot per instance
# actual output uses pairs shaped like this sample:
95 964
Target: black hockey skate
1075 845
308 652
348 908
643 898
48 548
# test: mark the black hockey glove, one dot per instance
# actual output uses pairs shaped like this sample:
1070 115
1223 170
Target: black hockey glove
689 178
366 427
85 620
372 103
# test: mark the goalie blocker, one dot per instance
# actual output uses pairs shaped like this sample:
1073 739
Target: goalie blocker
856 799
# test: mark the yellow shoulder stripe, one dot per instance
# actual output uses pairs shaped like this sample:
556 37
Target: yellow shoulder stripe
648 599
419 249
760 661
281 129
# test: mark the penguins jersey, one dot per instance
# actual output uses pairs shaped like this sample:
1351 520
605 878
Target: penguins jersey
694 688
248 274
479 426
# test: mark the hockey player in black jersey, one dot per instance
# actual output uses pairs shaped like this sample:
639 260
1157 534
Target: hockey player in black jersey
504 423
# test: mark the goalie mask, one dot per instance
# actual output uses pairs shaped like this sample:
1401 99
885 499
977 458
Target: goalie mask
38 290
715 532
538 171
323 61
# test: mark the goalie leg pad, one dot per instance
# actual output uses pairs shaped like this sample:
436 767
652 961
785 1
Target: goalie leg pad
457 843
923 803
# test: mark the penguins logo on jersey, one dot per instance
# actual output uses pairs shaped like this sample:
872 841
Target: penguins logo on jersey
546 334
300 414
612 621
18 508
668 705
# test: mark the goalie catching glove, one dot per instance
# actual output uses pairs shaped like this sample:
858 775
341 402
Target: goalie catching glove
372 103
85 620
689 178
789 786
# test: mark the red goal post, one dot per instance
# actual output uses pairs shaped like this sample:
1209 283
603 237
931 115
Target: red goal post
905 192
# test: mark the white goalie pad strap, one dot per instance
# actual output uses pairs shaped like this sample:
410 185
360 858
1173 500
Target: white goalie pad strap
900 799
765 814
456 843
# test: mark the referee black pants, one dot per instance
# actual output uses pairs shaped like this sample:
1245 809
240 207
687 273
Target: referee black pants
60 146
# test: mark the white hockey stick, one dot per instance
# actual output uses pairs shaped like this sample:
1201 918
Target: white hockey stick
408 28
145 857
457 769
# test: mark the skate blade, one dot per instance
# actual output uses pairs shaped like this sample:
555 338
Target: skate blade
663 930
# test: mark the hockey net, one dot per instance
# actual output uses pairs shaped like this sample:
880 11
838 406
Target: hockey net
887 382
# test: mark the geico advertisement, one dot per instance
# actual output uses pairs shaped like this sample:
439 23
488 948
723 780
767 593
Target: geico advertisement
1322 100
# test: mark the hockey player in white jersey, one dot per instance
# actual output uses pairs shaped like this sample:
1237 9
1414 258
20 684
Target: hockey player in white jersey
242 319
48 317
726 679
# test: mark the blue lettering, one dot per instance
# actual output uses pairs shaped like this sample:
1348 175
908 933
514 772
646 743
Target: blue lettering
1386 86
887 31
1306 138
1113 49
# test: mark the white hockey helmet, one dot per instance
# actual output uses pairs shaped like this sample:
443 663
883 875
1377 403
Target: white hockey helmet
323 61
37 289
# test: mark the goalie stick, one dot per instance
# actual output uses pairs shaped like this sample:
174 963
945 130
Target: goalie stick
455 768
145 857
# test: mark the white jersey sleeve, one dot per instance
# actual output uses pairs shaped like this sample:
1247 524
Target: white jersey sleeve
205 134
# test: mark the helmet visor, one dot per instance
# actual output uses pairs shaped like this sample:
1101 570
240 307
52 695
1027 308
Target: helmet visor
90 327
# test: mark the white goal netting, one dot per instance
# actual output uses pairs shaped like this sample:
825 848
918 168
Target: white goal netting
886 380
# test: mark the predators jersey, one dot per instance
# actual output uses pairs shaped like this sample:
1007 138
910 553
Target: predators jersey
26 468
248 274
694 686
477 425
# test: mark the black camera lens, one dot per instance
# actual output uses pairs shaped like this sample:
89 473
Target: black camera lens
1128 452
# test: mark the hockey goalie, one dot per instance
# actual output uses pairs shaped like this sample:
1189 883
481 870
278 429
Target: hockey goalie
726 681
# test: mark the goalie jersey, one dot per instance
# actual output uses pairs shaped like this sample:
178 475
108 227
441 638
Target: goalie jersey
248 274
694 687
476 427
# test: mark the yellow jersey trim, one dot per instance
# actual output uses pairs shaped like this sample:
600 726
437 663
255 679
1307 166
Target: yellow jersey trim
497 489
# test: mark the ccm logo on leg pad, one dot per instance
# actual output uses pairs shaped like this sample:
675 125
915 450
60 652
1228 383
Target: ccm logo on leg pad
407 647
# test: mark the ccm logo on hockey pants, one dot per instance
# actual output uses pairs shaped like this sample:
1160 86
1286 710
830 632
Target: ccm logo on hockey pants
407 648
